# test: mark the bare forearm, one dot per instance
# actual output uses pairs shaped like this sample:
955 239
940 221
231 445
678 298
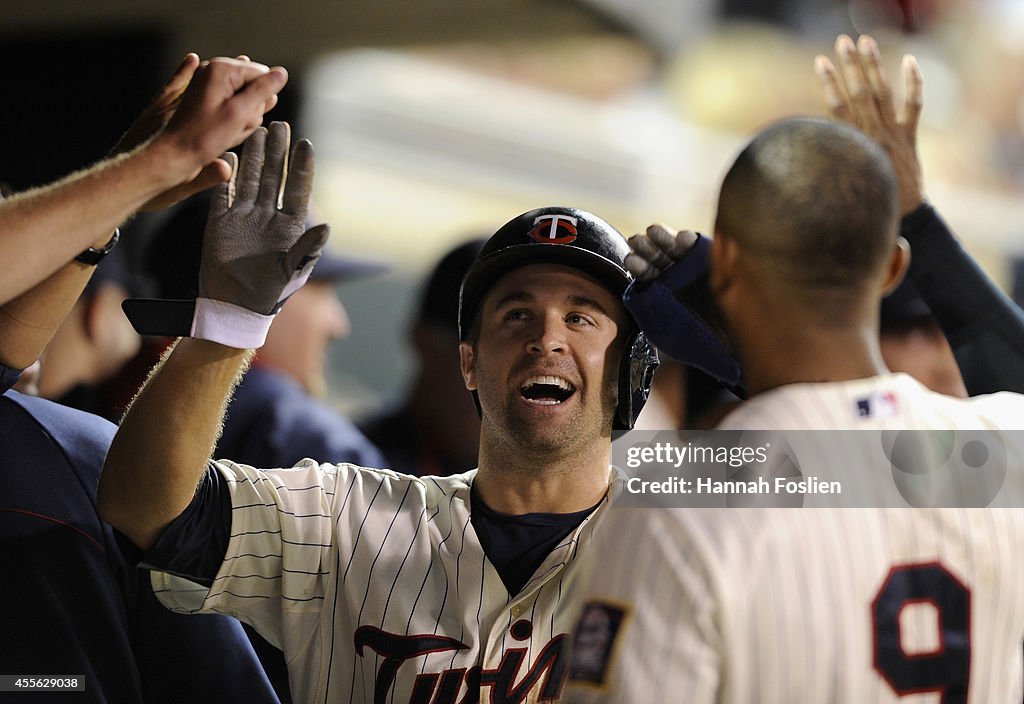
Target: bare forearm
79 211
28 322
166 438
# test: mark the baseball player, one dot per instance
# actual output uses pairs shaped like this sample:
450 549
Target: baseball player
812 605
380 586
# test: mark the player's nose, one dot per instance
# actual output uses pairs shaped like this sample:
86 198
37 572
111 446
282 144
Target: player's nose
547 335
338 322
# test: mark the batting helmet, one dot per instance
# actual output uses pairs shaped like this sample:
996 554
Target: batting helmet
580 240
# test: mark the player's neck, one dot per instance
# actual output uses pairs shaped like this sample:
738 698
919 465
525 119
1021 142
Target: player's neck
518 484
790 355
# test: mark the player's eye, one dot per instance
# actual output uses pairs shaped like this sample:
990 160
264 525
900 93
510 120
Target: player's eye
516 314
579 319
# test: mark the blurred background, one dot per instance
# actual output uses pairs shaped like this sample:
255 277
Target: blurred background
437 120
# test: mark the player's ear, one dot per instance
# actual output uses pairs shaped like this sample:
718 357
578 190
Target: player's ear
467 361
723 261
896 269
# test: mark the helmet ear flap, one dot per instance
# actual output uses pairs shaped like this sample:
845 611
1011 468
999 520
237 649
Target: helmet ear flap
636 374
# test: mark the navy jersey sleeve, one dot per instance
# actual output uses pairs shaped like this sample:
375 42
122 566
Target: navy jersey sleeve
194 544
984 326
8 377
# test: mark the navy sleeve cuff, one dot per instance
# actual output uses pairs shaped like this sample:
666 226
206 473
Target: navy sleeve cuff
8 377
195 543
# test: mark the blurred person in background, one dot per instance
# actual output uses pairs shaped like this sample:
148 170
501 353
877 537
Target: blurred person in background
435 429
279 415
93 343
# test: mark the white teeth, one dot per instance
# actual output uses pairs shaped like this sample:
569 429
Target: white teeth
550 380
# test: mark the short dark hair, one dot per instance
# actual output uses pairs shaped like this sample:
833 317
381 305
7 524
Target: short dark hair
817 200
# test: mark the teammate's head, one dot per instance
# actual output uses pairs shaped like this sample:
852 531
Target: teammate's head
811 208
573 239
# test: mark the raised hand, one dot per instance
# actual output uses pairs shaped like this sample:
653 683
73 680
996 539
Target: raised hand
204 110
863 97
156 115
256 254
656 250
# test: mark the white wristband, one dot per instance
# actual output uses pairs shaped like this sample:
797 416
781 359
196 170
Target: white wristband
229 324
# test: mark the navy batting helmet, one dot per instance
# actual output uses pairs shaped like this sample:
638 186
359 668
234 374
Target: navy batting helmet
580 240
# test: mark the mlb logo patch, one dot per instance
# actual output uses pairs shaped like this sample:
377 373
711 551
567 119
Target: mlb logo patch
593 642
882 404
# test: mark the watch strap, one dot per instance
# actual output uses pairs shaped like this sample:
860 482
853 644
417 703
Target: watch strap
92 256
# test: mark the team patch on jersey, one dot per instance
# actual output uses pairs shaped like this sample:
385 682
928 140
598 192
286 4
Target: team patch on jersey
593 644
553 228
881 404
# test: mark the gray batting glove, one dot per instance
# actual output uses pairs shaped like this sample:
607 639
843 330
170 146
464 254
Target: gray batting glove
657 250
256 254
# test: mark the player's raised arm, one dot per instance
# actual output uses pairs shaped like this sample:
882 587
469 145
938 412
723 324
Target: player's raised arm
255 254
969 307
224 101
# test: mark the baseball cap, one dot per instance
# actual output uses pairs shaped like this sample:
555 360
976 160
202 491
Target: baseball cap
171 259
332 267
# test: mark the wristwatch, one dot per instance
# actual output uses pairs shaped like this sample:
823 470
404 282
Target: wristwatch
92 256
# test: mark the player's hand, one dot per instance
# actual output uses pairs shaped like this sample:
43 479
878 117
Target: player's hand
656 250
256 254
153 119
204 110
155 116
864 98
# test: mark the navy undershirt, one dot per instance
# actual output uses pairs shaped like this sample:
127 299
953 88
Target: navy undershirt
517 545
195 543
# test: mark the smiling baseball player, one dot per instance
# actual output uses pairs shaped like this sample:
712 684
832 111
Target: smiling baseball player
379 586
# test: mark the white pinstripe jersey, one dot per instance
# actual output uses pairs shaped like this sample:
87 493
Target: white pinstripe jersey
377 589
785 606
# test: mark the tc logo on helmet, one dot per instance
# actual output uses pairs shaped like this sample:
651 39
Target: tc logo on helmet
552 228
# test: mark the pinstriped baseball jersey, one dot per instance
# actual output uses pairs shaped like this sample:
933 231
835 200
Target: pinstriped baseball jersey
782 606
377 589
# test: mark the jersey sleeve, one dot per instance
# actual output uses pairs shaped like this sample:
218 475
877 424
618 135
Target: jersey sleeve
277 556
984 326
8 377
